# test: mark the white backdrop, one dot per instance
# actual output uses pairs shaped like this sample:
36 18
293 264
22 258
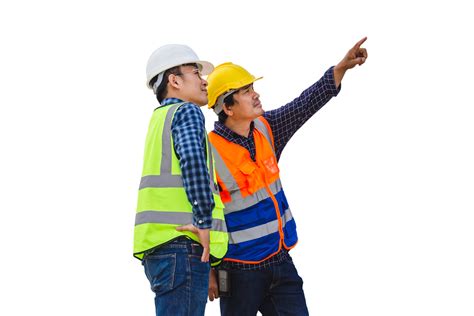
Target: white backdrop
380 181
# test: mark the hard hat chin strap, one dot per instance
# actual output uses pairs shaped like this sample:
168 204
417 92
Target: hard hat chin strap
158 81
219 106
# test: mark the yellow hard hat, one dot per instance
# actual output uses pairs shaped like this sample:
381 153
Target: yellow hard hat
227 77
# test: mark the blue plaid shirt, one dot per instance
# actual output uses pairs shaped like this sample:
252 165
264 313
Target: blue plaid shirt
286 120
189 138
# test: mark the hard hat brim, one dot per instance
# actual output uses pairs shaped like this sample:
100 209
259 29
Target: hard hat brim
206 67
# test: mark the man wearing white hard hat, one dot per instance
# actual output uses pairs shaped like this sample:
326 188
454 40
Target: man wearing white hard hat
179 224
258 270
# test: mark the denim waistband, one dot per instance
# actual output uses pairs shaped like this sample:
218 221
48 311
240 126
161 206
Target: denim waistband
282 256
181 242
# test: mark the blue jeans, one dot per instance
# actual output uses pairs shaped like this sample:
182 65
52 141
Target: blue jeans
275 290
178 277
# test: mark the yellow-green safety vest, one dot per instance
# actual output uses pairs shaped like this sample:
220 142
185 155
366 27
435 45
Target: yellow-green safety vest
162 201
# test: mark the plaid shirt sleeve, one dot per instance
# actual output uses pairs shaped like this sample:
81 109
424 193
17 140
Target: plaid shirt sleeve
286 120
189 137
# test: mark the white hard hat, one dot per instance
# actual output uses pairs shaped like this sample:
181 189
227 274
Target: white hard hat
170 56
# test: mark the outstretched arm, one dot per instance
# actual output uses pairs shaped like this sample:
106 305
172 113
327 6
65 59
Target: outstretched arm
286 120
355 56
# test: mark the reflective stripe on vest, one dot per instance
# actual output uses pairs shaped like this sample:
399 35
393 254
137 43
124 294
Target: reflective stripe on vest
162 200
258 124
174 218
259 231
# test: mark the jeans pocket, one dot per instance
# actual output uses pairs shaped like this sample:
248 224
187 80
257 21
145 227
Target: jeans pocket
200 275
160 271
197 266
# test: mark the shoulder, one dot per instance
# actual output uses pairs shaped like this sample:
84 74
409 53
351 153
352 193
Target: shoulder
188 114
189 109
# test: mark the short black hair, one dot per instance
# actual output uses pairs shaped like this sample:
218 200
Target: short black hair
228 101
222 116
162 89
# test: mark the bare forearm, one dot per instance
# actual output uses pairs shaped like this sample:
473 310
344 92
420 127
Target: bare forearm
339 73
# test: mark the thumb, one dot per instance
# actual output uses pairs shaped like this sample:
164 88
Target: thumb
356 61
360 60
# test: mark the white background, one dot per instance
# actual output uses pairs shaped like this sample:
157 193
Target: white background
380 181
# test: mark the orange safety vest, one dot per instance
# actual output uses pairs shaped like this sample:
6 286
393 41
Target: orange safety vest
258 218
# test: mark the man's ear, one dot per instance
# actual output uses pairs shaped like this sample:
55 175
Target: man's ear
227 110
174 81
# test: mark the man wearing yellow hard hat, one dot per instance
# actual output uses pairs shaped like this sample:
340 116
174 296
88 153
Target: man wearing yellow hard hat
257 273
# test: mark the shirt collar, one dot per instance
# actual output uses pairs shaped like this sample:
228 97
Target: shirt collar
229 134
169 101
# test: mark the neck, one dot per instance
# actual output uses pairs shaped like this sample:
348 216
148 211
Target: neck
185 99
241 128
175 96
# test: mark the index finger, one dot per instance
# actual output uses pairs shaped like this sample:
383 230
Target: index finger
359 43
